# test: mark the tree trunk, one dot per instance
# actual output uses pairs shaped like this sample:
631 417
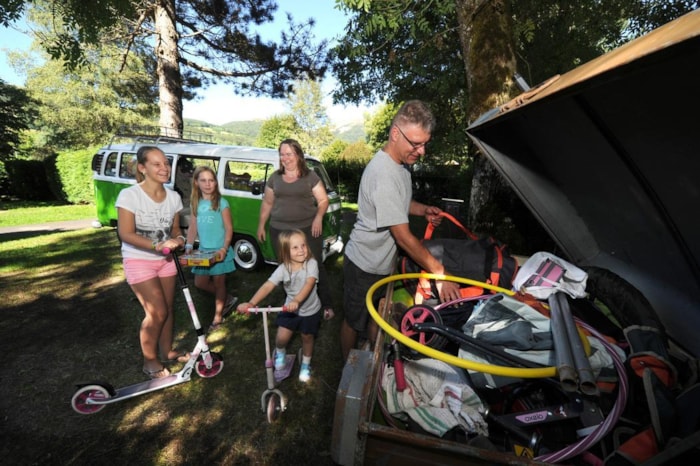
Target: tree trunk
168 69
487 42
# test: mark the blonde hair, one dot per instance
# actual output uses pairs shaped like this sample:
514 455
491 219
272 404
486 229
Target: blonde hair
285 238
196 194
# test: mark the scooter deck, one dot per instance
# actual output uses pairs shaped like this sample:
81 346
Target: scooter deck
283 373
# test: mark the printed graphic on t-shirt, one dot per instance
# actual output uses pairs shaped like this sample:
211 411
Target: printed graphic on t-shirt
159 220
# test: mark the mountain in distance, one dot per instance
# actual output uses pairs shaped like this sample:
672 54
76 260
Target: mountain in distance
244 133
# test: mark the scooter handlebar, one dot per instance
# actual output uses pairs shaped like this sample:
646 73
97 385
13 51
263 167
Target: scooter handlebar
165 251
268 309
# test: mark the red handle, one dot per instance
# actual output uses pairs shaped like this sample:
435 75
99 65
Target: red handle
398 369
165 251
398 373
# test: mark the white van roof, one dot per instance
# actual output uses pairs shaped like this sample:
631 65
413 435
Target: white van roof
198 149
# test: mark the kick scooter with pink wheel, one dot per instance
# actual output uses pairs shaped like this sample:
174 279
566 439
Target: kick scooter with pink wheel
92 397
273 401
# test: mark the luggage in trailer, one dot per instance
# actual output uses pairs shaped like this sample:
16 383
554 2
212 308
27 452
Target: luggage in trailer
591 357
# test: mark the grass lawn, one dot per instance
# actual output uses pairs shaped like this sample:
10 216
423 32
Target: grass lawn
13 213
69 317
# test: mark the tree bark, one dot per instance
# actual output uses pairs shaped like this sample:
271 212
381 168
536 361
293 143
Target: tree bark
168 69
488 46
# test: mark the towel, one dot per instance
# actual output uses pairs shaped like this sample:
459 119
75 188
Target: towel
437 397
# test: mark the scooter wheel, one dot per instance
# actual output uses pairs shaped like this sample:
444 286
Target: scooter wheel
89 392
274 407
422 314
205 372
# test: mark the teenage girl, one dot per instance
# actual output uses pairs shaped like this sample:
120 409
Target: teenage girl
148 216
210 219
298 273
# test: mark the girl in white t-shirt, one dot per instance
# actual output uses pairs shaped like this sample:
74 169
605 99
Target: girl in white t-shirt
148 216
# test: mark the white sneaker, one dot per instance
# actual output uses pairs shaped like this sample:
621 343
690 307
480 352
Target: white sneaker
305 372
280 361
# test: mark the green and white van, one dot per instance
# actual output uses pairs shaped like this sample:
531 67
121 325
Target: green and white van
241 171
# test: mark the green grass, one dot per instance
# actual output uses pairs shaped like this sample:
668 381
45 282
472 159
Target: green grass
14 213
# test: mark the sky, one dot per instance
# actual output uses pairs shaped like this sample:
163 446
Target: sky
218 104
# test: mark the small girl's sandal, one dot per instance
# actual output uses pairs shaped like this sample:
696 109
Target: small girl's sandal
214 327
157 374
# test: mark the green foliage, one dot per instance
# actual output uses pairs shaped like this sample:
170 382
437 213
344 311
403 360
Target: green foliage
346 166
358 151
333 151
377 127
277 129
75 174
86 106
306 105
10 11
395 50
65 177
17 112
416 56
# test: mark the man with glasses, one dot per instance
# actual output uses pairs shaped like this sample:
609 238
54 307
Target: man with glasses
385 201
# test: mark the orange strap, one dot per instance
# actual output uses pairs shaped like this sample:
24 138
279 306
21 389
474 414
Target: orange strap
430 228
641 361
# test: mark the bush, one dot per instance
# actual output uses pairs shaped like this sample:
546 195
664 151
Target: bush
431 186
28 179
75 175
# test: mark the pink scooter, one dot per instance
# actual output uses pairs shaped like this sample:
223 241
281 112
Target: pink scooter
273 401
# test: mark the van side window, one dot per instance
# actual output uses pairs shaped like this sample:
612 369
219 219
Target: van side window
111 165
183 178
127 169
322 173
247 176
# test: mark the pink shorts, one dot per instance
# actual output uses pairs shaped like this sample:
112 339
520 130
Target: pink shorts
141 270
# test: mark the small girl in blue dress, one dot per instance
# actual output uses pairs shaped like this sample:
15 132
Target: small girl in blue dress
210 220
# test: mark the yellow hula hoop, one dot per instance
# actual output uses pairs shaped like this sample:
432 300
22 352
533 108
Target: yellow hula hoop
517 372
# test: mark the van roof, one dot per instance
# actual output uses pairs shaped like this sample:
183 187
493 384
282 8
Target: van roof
201 150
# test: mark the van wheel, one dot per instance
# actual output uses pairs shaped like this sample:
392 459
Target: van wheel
246 253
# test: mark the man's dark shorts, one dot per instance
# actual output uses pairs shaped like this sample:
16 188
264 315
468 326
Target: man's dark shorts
307 325
356 283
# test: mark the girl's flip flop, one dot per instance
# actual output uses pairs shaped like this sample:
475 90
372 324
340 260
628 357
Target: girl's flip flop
157 374
182 357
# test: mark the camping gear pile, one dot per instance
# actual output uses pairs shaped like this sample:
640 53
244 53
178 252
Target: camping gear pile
612 395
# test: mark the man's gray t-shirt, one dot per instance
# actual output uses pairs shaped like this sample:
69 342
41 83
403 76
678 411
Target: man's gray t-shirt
383 201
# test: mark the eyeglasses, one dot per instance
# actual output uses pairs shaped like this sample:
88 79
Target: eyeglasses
415 145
